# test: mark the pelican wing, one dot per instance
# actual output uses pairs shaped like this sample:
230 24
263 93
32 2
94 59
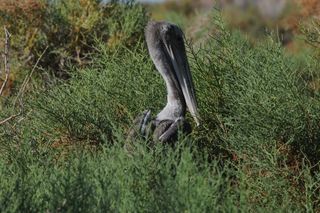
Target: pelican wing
182 71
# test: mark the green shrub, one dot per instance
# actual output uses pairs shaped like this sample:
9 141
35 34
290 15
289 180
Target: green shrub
256 150
256 93
101 99
111 180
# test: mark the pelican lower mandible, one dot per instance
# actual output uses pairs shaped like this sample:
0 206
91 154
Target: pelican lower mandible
166 47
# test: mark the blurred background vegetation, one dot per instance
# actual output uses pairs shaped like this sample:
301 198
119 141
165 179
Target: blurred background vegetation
80 73
67 30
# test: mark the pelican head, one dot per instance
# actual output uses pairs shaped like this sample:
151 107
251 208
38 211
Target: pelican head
166 47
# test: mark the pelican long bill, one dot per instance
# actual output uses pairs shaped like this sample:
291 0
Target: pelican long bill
182 71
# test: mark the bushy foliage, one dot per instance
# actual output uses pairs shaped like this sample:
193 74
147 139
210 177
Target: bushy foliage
101 99
258 92
111 180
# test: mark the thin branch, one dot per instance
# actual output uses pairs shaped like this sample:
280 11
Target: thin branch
22 89
28 77
7 71
9 118
6 59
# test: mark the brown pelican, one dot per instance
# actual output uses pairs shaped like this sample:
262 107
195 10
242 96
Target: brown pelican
166 47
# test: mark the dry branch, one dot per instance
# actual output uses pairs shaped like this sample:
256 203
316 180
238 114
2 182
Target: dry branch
25 82
28 77
10 118
6 59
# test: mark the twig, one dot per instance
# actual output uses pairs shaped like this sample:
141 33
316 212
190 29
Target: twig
6 59
22 89
7 71
10 118
28 77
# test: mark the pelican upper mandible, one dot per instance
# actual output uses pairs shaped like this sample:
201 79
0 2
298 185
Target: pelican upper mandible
166 47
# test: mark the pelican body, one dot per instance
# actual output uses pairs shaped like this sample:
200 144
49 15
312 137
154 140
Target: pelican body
166 47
